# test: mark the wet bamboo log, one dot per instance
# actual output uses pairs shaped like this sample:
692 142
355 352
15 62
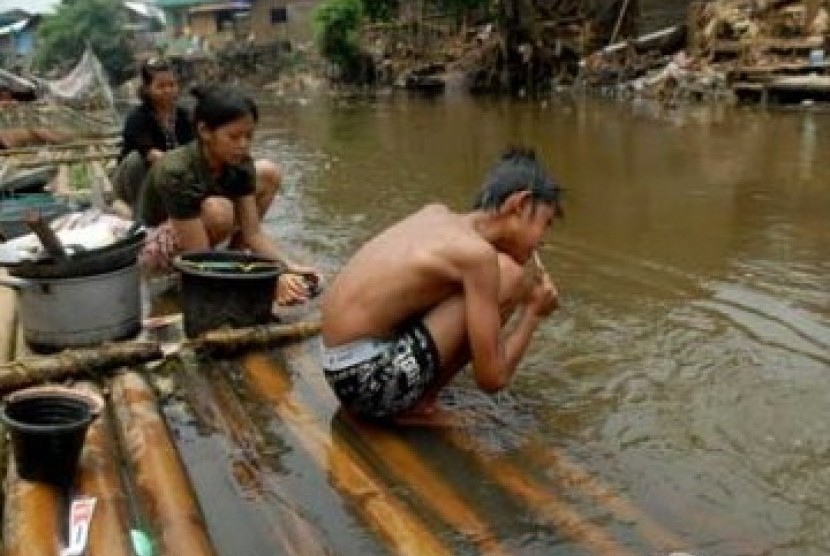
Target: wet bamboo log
217 405
8 322
99 476
535 494
73 362
162 482
31 517
404 533
409 467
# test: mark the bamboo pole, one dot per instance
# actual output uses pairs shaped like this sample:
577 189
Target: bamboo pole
538 496
98 476
112 355
8 321
226 340
215 402
52 147
163 484
71 362
403 531
31 516
410 468
39 162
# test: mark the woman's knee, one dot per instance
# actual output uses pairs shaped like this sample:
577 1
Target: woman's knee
218 218
268 176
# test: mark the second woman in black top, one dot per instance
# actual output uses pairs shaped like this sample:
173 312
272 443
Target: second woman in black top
157 125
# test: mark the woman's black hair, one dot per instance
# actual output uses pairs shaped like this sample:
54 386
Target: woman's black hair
518 170
148 71
220 104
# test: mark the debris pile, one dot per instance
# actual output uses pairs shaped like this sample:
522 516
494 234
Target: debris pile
758 50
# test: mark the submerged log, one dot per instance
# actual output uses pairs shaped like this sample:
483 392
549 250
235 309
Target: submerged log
74 362
162 482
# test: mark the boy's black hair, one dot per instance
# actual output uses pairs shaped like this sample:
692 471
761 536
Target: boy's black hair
220 104
518 170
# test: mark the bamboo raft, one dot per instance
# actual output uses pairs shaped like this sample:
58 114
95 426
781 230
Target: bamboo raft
248 454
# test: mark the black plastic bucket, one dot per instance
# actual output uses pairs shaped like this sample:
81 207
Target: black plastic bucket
225 288
47 433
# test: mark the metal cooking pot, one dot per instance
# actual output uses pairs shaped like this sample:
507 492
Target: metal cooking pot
58 313
123 252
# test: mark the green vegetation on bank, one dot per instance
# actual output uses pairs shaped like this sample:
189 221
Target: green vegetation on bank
63 36
336 30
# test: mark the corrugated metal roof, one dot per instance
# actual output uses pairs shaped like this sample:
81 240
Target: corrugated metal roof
172 4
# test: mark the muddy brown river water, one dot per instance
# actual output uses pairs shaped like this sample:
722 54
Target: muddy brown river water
683 389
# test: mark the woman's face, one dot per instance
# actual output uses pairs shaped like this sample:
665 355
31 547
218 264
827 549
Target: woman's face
163 89
229 143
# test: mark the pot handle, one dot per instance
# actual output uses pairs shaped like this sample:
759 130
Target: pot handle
15 283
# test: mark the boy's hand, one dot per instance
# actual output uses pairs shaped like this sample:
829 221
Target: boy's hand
544 297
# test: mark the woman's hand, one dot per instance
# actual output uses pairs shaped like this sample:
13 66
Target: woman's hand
297 285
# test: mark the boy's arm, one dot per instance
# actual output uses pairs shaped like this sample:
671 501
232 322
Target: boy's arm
494 360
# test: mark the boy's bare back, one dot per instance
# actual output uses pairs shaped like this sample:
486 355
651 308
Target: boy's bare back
402 273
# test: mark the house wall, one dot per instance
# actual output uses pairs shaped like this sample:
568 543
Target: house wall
296 27
202 24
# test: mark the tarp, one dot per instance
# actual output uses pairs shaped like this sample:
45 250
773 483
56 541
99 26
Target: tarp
31 7
146 10
14 27
87 78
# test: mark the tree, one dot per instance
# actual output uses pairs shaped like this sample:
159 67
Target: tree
336 25
62 37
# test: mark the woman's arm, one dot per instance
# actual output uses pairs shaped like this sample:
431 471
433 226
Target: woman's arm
293 286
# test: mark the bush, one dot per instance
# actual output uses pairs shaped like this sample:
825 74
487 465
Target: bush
336 26
62 37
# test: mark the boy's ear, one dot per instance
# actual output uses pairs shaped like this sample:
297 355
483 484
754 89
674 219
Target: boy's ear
516 203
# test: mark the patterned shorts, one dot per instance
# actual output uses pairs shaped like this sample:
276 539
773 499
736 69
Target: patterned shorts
161 246
391 380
